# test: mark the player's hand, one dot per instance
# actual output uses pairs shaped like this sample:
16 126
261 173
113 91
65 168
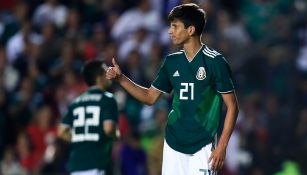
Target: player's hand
113 72
217 159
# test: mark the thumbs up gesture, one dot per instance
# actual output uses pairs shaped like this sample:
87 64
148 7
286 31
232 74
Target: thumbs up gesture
113 72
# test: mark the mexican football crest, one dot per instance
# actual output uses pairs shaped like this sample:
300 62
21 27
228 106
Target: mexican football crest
201 73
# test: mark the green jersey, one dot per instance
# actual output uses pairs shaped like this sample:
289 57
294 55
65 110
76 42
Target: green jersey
197 102
91 148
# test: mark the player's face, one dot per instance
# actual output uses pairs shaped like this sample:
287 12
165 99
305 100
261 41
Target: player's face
178 33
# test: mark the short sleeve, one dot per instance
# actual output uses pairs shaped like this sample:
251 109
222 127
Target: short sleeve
110 110
68 118
222 75
162 81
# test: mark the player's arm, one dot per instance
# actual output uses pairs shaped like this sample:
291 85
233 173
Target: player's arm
219 153
110 118
110 129
146 95
64 133
230 119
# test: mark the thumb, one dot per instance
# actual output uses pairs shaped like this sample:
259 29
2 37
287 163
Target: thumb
114 62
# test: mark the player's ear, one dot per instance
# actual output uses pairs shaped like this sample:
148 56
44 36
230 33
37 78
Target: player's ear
191 30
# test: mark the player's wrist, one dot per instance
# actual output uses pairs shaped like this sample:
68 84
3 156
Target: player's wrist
222 146
119 77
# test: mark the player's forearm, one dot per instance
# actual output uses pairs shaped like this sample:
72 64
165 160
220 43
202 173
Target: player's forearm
137 91
66 137
64 133
229 124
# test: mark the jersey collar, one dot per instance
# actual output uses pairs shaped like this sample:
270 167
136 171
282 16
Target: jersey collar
201 48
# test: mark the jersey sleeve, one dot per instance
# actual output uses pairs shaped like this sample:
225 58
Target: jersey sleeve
68 118
110 110
222 75
162 81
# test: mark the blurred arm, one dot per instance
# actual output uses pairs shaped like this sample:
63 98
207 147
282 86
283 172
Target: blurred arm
146 95
109 128
64 133
230 119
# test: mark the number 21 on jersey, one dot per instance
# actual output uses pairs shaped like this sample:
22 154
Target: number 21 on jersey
186 91
82 121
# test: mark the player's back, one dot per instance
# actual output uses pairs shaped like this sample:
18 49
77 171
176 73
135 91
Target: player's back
91 148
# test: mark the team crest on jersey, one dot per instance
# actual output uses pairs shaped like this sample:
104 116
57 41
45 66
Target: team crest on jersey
201 73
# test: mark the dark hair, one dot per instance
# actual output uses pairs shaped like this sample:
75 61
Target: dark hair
91 70
190 15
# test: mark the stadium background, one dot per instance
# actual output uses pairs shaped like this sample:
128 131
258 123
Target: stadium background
45 42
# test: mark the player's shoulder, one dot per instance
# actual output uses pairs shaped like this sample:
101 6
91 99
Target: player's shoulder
93 95
109 98
172 58
78 99
213 56
108 95
211 53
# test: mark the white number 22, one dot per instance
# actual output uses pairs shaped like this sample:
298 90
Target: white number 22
186 88
81 121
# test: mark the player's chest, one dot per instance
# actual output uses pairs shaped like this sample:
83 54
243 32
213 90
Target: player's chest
192 74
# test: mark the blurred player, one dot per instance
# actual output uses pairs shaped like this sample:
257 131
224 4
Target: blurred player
90 125
201 81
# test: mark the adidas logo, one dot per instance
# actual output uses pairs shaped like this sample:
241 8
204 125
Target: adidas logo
176 74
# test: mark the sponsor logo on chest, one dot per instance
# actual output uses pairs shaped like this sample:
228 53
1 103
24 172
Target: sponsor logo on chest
201 73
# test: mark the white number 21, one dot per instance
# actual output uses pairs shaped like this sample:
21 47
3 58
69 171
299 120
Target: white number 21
186 91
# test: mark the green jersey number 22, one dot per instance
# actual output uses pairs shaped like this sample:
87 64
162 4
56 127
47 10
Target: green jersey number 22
186 91
82 121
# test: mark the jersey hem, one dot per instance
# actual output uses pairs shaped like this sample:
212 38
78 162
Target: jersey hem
109 120
225 92
186 150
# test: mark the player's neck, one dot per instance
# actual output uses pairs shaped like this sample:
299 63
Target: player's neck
191 48
97 86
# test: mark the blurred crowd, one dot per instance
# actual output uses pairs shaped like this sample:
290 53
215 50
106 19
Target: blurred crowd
44 43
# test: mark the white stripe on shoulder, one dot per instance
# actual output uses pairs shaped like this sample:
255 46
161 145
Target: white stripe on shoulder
209 49
176 53
212 51
208 54
159 89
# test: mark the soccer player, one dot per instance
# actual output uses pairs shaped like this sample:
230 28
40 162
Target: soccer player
90 124
201 80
